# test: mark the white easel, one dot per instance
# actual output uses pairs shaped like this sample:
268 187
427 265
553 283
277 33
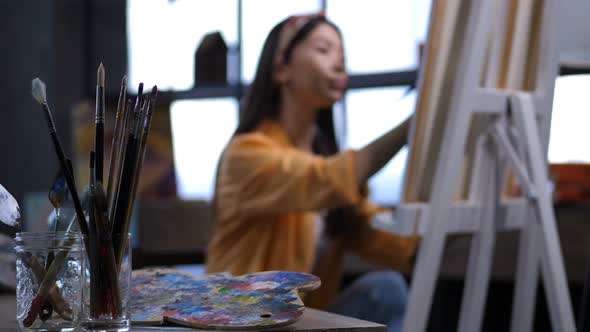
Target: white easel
517 133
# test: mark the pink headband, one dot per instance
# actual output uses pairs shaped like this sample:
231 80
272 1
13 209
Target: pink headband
292 27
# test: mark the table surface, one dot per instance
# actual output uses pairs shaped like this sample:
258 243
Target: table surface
311 321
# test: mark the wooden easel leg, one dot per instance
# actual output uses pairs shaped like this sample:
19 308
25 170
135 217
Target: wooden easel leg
552 266
425 276
527 277
482 250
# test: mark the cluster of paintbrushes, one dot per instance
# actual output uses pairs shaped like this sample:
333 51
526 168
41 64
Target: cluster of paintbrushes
109 211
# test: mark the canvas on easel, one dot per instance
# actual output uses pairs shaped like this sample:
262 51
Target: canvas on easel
484 106
433 95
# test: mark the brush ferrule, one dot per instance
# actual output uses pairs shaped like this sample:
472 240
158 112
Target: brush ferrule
49 118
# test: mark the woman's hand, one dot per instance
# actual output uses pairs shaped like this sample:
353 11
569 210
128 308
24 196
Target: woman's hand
347 223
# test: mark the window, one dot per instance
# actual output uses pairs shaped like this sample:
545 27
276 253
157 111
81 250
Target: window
164 35
371 113
196 146
396 29
392 43
259 17
570 120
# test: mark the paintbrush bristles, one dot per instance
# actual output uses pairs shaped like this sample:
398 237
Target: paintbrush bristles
38 91
100 75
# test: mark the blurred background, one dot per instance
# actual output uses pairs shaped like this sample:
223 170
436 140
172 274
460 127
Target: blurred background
202 55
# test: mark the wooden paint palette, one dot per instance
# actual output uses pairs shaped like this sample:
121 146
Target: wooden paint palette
224 302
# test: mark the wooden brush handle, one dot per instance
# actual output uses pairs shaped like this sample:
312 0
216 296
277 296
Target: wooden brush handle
47 284
59 304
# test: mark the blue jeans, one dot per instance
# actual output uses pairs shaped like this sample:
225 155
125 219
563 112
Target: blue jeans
378 297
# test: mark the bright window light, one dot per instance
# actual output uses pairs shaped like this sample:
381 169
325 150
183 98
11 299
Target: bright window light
200 131
380 35
420 18
259 17
371 113
570 121
163 36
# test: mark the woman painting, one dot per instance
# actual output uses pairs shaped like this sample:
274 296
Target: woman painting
282 168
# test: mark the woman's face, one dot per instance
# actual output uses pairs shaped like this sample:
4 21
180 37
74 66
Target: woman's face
315 72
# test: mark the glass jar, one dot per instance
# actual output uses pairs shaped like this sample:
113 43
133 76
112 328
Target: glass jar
107 285
49 278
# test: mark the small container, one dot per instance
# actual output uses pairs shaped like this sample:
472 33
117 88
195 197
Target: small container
106 297
49 279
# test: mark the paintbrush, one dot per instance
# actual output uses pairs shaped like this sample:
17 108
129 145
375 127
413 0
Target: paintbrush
104 291
120 146
146 123
99 123
10 217
119 125
91 192
48 282
138 129
46 285
93 255
38 91
56 300
142 130
145 104
124 191
108 266
57 195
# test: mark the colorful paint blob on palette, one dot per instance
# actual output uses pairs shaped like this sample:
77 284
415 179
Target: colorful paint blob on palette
252 301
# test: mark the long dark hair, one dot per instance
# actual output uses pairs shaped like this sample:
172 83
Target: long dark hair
262 99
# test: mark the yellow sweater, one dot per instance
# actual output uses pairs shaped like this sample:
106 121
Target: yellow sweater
268 194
